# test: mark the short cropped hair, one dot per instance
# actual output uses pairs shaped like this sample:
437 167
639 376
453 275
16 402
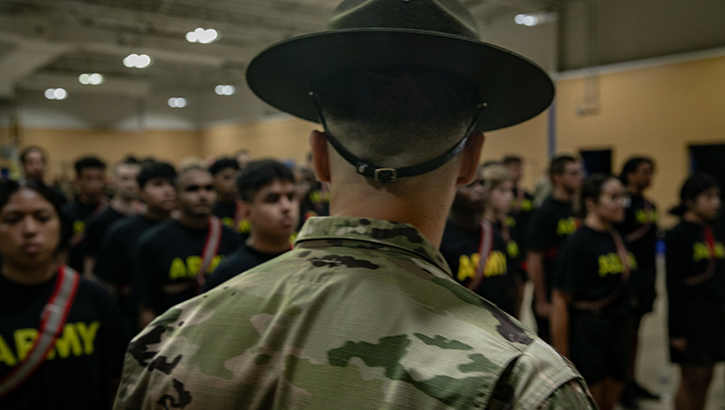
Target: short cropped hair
398 117
258 175
152 170
512 159
87 163
558 164
33 148
222 164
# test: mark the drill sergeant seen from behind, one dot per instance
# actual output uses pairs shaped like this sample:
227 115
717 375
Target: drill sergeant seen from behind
364 312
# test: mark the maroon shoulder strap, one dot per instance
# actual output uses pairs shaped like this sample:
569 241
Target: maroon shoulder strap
52 321
211 248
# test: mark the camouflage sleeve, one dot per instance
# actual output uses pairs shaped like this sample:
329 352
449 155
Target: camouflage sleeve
572 395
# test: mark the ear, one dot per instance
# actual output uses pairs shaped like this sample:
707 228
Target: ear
320 155
470 156
244 208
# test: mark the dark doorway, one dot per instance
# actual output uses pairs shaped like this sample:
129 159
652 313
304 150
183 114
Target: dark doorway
708 158
597 161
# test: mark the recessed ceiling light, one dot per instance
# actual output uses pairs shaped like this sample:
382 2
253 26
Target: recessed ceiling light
225 89
90 79
202 36
177 102
137 61
56 94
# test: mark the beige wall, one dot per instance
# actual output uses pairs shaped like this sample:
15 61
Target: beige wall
65 146
655 111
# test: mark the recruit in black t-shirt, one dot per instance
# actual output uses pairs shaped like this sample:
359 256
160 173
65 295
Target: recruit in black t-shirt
519 218
550 226
639 229
239 261
590 270
78 215
168 259
97 229
688 255
460 248
87 355
227 213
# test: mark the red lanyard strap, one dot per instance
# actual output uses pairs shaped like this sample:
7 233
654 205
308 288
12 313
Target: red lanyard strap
598 305
484 250
211 248
52 321
711 262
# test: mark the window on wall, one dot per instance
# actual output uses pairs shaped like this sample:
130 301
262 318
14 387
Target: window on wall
708 158
597 161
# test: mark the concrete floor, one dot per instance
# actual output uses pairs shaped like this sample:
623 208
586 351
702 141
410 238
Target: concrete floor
654 370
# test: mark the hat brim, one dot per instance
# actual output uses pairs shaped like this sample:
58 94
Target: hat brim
513 88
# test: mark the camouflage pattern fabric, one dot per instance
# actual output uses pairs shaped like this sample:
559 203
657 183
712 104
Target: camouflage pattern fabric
362 314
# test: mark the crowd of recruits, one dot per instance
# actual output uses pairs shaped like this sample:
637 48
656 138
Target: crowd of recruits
143 249
590 252
592 262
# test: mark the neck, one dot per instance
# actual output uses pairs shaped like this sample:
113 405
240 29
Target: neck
635 190
123 205
411 202
561 194
268 244
194 221
694 218
492 215
29 276
466 221
597 223
88 200
156 214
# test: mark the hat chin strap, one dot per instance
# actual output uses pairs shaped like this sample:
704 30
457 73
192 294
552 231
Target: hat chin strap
386 175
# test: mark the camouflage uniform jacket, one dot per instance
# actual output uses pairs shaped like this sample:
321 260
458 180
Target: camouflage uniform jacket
362 314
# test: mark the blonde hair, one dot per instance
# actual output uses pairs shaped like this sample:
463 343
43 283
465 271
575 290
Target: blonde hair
494 175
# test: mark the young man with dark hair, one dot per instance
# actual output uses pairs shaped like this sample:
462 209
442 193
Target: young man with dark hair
123 204
364 312
270 204
639 230
224 171
550 226
34 161
89 183
119 245
175 257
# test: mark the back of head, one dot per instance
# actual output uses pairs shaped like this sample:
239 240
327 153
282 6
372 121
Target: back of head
398 117
87 163
151 170
692 188
259 174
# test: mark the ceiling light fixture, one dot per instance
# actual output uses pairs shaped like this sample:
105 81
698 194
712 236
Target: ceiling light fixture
534 19
56 94
90 79
225 89
202 36
137 61
177 102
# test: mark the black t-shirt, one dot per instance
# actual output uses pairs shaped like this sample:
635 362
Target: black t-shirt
688 255
519 217
239 261
79 215
640 215
590 269
550 226
168 259
87 355
97 229
227 212
461 247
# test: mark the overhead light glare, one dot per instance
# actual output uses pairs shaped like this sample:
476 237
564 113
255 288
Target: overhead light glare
90 79
534 19
225 89
202 36
137 61
56 94
177 102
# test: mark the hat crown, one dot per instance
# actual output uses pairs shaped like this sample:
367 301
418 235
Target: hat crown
443 16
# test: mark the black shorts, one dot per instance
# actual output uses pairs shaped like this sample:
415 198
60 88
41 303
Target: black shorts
598 345
705 333
645 290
